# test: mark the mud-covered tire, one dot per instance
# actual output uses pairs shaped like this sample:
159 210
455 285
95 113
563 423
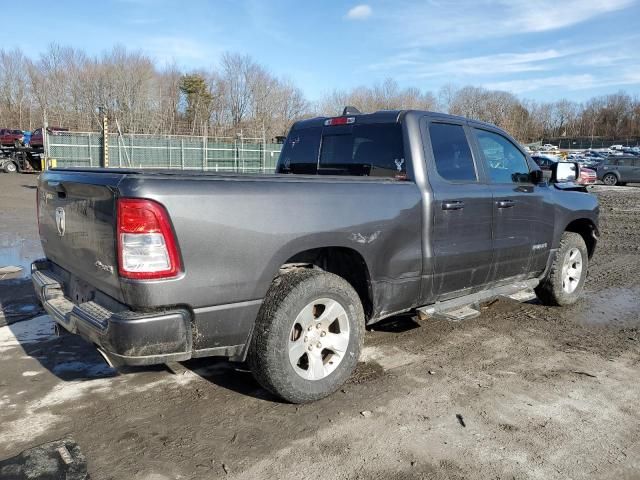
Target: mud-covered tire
610 179
10 167
270 351
554 289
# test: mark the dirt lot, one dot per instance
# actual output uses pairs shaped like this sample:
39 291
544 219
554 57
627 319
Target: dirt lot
523 391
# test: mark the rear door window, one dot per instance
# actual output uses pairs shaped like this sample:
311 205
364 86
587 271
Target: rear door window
505 162
451 153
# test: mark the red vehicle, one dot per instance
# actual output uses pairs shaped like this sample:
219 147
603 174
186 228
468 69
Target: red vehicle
10 137
37 140
587 176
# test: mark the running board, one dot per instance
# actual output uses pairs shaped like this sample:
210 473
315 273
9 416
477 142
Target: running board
465 307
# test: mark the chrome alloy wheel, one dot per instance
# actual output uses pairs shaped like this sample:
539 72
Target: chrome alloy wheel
319 339
571 270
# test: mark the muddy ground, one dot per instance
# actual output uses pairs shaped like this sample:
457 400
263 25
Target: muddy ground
523 391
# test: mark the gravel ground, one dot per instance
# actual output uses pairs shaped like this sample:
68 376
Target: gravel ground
522 391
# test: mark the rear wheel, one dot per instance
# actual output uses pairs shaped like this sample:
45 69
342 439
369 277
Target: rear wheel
10 167
610 179
565 280
308 336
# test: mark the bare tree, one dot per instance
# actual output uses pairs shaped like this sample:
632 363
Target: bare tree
240 95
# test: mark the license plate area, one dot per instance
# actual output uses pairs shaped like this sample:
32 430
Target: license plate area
79 291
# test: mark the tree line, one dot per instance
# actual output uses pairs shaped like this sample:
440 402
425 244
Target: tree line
241 96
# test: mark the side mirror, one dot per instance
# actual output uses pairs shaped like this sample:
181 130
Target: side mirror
536 176
562 172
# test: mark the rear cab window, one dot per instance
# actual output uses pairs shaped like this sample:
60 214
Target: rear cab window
369 149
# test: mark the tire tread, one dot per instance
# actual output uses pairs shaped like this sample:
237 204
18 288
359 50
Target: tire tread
549 291
286 290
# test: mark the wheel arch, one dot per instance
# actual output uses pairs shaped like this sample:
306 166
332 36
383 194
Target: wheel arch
615 173
342 261
587 230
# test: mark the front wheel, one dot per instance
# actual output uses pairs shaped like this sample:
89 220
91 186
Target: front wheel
565 280
610 179
308 336
10 167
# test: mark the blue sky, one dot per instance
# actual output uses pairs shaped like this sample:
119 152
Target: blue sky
544 50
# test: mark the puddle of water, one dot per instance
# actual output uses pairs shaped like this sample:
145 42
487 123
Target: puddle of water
29 331
19 252
612 306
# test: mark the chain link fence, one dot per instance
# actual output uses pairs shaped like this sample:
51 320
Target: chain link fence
583 143
241 155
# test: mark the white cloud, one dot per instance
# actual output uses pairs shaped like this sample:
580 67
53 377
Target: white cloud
434 23
563 82
484 65
551 15
359 12
619 78
181 50
501 63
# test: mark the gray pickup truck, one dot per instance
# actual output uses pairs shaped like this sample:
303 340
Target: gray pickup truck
367 216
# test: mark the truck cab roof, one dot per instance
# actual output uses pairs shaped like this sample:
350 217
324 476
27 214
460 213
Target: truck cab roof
389 116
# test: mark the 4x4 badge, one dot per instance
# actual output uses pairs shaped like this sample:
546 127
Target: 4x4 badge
60 220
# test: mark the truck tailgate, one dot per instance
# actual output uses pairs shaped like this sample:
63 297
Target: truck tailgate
77 222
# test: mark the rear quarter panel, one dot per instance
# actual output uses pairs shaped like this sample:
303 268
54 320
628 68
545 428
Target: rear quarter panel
235 233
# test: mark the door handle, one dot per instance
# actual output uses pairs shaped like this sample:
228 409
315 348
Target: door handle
452 205
505 203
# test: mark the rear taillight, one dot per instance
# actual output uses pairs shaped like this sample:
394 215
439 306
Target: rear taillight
147 248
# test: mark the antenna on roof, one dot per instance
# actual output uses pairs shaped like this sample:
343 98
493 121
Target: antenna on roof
349 110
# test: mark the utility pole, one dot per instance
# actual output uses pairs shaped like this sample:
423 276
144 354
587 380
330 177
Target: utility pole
105 136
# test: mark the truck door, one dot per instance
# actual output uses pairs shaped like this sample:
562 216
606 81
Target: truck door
461 236
523 214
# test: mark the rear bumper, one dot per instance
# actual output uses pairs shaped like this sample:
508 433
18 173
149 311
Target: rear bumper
124 336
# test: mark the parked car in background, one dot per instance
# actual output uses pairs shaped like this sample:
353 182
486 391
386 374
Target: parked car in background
616 147
545 161
595 154
587 176
618 170
10 137
548 146
37 140
592 163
